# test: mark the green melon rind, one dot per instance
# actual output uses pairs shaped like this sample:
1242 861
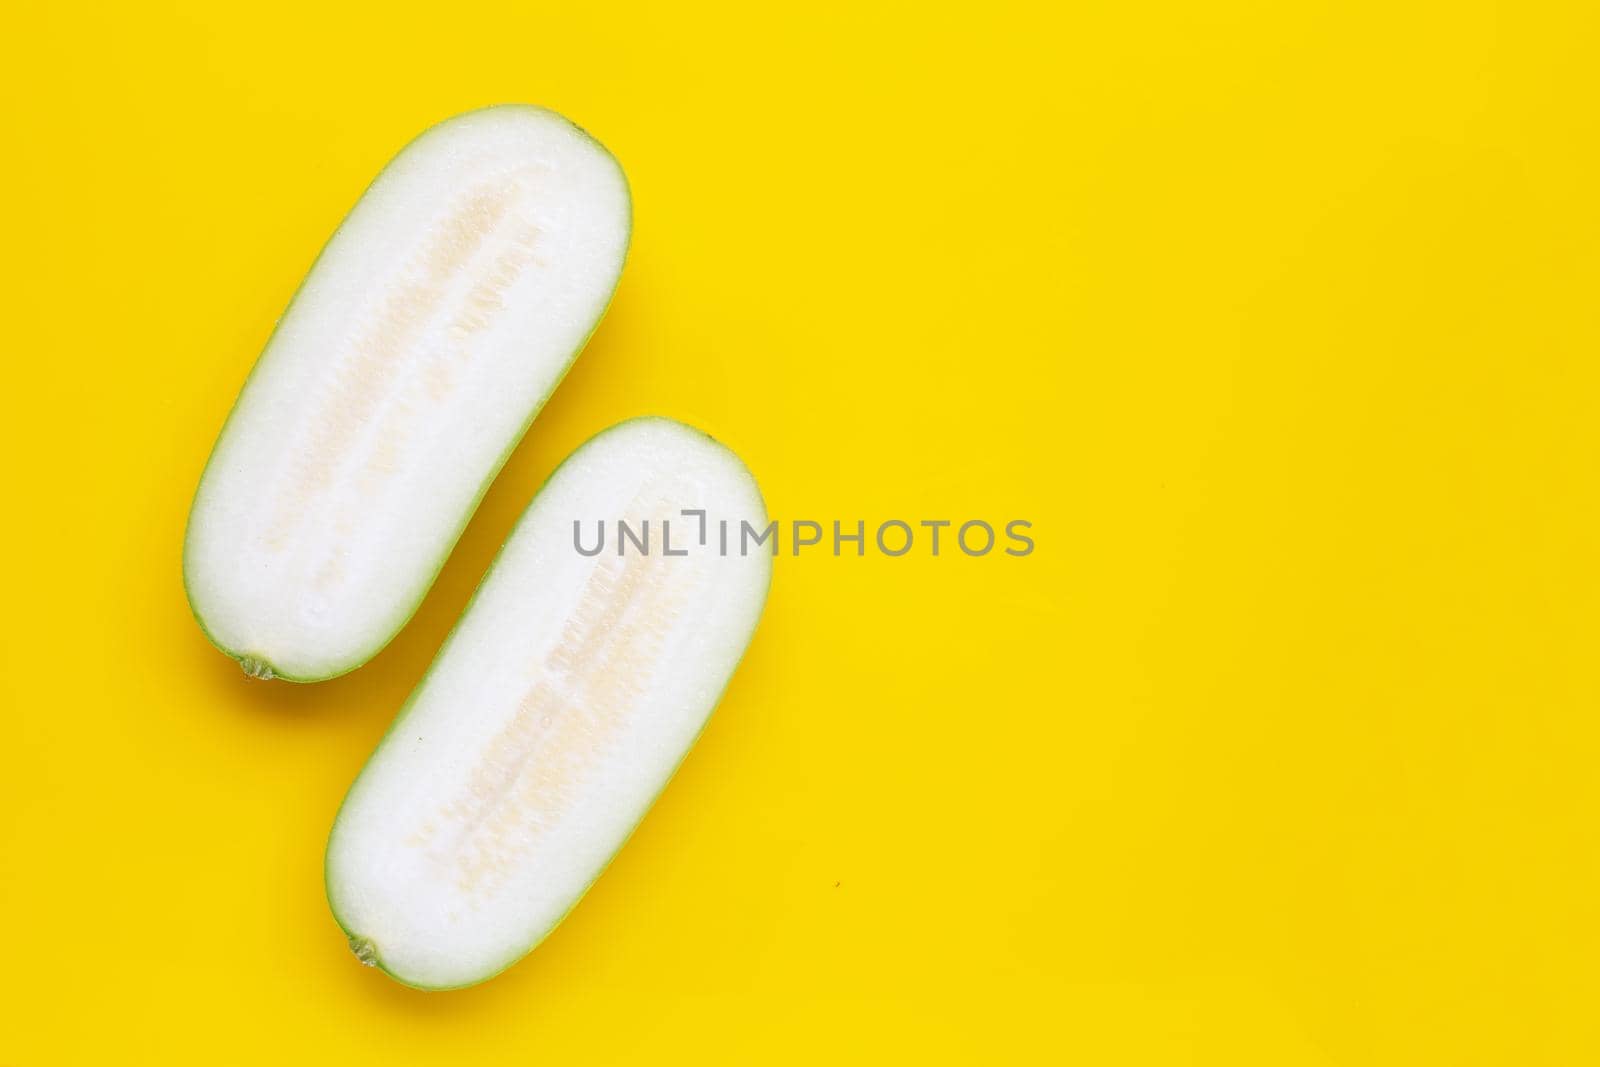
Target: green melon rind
365 949
255 665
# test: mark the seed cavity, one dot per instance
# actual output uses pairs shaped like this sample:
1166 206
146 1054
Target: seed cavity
404 359
578 702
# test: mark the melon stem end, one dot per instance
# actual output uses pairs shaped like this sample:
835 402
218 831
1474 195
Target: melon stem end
256 668
365 951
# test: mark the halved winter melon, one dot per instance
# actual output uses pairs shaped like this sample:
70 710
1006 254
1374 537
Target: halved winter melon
432 328
556 711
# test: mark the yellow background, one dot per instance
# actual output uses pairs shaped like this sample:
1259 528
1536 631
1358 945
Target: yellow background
1278 321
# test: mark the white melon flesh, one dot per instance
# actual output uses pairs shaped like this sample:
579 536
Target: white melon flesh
432 328
566 696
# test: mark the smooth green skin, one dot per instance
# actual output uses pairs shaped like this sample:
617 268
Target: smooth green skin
362 946
254 665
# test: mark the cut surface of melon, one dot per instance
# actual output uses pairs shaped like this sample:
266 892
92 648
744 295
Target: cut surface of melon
429 332
568 693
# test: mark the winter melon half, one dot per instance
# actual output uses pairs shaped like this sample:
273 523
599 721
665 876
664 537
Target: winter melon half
558 708
437 320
